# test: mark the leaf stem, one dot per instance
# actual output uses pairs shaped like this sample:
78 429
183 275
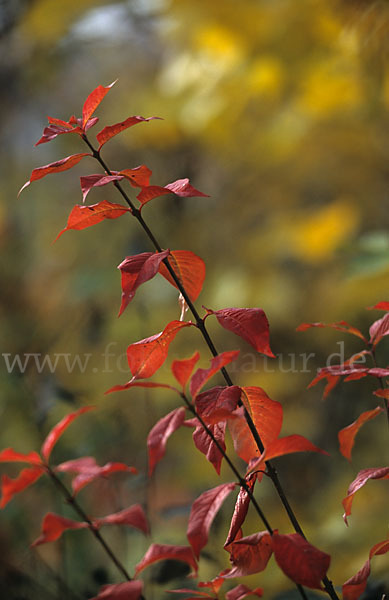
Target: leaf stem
201 326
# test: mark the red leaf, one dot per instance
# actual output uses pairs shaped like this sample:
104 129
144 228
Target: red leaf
53 527
9 455
129 590
136 270
347 435
182 188
299 560
10 487
158 552
111 130
240 511
88 470
242 591
58 430
182 369
190 270
215 584
360 480
133 516
91 181
354 587
207 446
382 393
340 326
251 324
201 376
266 413
146 356
138 176
145 384
217 404
86 216
244 443
93 100
380 306
150 192
202 514
57 127
160 433
250 554
332 381
56 167
379 329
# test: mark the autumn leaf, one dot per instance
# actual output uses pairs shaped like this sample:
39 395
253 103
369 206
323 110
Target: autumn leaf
347 435
249 554
136 270
93 101
380 306
111 130
86 216
181 188
158 552
56 167
10 487
145 384
189 269
160 434
202 514
146 356
90 181
379 329
207 446
217 404
240 511
266 413
88 470
150 192
59 429
10 455
58 127
251 324
133 516
182 369
201 376
242 591
299 560
129 590
354 587
363 477
53 527
340 326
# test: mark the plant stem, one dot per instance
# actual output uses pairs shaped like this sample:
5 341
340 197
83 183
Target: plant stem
201 326
81 513
382 385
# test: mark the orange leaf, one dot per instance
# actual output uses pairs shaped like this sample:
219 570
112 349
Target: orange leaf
190 270
56 167
347 435
340 326
138 176
10 487
356 585
58 430
93 100
182 369
86 216
9 455
111 130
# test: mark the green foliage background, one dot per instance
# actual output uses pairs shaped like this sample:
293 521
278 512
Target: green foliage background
279 111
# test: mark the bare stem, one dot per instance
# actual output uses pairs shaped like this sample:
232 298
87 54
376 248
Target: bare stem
201 326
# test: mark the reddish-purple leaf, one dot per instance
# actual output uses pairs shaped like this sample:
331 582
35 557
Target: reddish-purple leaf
129 590
53 527
299 560
158 552
182 188
340 326
56 167
111 130
201 376
190 271
217 404
58 430
10 487
360 480
354 587
88 470
90 181
202 514
138 176
249 554
251 324
136 270
379 329
240 511
242 591
146 356
133 516
160 433
207 446
380 306
86 216
182 369
57 127
93 100
347 435
9 455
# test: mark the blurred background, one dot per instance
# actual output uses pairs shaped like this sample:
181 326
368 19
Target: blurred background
279 111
